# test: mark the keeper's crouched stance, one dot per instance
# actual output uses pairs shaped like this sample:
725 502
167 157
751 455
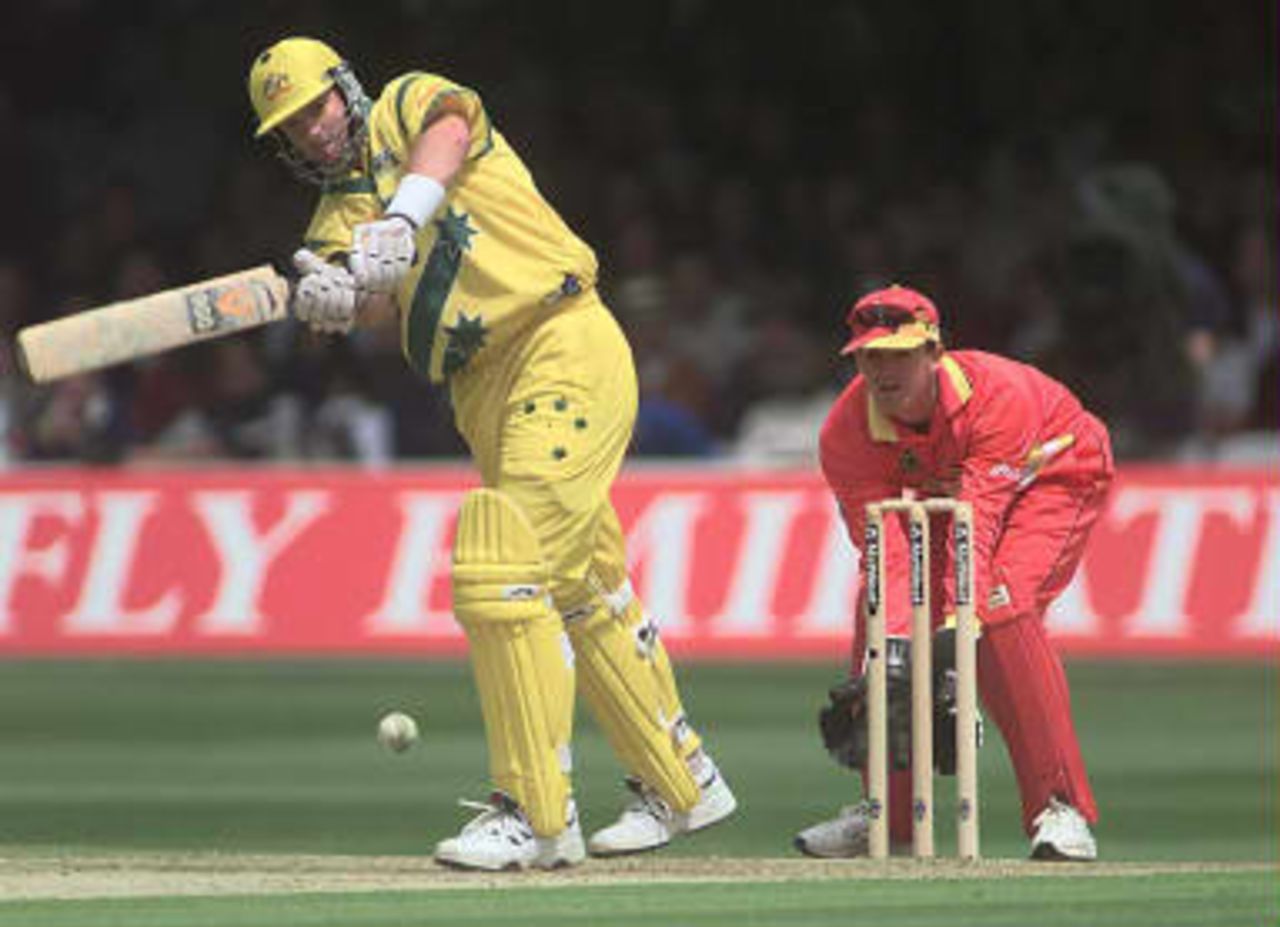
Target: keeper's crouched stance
921 422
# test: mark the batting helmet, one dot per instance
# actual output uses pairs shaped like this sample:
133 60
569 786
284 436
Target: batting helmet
295 72
289 75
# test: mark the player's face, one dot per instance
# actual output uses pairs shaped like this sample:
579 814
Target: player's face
903 383
319 130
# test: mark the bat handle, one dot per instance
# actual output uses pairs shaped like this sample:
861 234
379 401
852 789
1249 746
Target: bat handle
285 269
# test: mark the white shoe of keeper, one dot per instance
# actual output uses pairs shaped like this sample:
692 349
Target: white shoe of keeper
841 837
1062 833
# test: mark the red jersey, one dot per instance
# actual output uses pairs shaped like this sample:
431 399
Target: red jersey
1000 430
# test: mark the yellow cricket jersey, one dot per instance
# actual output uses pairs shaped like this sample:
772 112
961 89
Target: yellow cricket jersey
495 257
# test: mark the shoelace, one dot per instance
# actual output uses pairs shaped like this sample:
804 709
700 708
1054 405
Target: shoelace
1051 810
647 802
492 812
863 808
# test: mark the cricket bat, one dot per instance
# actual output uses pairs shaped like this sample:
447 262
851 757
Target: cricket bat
137 328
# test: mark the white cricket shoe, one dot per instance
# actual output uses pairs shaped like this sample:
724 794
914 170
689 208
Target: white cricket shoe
1062 833
648 821
501 838
844 836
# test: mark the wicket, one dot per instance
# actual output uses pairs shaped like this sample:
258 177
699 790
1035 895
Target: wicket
918 512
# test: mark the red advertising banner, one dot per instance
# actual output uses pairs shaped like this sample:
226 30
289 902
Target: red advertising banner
732 564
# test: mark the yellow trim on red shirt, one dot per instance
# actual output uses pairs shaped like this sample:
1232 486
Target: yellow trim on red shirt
880 425
961 388
954 392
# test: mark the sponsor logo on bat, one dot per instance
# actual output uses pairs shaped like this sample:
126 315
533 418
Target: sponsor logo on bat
217 309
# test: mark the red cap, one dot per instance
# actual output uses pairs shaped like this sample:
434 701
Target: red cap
894 318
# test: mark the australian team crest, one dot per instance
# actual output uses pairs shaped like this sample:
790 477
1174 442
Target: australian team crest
275 85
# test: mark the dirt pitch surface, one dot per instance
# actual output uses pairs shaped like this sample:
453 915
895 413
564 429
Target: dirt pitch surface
25 876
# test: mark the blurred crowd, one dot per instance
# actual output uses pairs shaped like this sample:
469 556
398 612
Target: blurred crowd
1105 210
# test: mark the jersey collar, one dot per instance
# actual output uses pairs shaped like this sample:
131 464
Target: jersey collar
954 391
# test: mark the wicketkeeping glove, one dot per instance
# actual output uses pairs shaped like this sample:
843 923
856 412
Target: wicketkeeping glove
945 704
325 296
843 721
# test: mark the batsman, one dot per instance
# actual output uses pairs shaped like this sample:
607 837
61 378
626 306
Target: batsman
428 219
920 421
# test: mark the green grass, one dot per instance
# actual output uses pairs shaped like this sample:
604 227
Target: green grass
1199 901
253 757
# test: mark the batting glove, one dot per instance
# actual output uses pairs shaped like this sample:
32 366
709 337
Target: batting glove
325 297
382 253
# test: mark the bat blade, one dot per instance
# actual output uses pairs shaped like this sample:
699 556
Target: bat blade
135 328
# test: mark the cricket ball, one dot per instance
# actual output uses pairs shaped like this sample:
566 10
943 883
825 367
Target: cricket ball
397 731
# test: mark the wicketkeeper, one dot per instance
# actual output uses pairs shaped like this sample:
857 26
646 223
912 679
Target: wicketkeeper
922 421
426 211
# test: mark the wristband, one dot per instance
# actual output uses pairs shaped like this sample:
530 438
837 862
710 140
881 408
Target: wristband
416 198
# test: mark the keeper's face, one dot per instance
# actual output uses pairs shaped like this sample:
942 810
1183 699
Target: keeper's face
902 382
319 130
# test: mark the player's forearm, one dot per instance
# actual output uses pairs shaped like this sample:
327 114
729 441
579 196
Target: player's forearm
435 158
440 151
